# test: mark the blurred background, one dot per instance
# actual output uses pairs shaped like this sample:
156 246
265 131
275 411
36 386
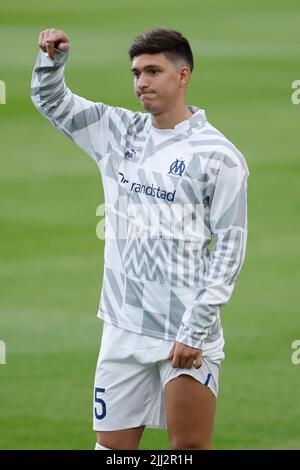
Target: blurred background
246 58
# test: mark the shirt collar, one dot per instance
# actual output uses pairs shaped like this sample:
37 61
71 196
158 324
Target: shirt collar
197 117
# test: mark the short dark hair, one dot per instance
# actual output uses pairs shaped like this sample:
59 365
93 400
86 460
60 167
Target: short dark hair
172 43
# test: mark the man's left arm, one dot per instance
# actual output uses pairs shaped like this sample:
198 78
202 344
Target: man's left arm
228 221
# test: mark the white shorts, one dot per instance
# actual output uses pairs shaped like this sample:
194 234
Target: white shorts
131 374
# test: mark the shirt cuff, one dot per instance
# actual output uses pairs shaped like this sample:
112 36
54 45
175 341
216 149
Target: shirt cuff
59 59
189 337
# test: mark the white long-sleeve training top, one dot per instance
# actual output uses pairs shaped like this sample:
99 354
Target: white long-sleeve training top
168 193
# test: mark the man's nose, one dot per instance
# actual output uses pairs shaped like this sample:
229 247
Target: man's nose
142 82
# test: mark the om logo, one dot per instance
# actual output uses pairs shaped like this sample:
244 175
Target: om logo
177 167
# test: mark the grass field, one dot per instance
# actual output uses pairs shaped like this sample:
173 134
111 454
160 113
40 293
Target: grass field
247 56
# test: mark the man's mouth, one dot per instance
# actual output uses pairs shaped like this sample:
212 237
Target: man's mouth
148 93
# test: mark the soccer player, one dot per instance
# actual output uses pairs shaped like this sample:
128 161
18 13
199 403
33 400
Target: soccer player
176 229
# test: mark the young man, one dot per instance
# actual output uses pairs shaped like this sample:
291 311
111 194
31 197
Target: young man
163 284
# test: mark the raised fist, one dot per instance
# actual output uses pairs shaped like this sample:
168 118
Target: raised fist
51 39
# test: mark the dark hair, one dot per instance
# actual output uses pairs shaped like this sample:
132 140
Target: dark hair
172 43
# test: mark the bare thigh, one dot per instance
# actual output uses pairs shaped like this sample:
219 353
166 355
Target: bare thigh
190 409
125 439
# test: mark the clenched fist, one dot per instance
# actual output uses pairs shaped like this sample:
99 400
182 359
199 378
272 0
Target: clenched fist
52 39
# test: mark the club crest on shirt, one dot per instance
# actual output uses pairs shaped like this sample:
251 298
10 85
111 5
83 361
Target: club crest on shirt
177 167
129 154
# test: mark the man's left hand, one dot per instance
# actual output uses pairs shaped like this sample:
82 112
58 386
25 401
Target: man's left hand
185 357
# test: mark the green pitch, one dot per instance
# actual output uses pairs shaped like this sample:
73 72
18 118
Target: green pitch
51 261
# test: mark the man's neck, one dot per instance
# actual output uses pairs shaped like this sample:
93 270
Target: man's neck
170 119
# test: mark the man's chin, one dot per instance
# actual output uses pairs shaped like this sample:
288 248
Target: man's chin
150 108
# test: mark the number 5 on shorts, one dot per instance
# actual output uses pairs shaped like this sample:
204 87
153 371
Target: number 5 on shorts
100 402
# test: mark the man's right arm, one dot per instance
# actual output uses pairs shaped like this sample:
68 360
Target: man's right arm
95 127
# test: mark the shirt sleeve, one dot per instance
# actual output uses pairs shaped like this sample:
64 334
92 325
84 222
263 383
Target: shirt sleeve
228 221
97 128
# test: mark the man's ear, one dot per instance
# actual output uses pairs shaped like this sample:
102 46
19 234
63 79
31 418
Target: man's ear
185 74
